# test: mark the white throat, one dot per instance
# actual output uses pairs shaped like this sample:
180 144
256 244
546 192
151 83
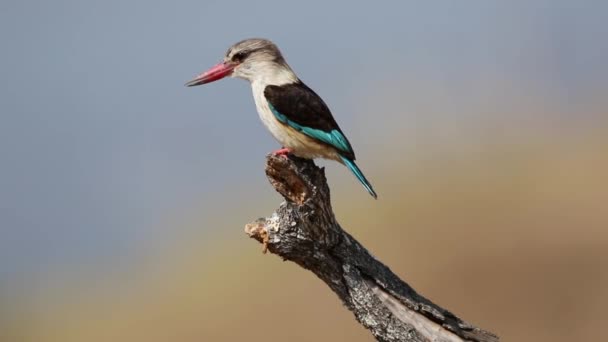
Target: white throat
265 77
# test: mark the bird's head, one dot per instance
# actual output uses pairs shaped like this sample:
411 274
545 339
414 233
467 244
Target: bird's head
250 59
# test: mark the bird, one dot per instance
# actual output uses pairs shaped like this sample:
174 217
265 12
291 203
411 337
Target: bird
293 113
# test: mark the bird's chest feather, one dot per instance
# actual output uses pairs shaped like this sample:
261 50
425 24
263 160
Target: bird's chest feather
276 128
300 144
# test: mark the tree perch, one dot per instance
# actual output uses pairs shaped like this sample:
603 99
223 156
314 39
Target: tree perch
304 230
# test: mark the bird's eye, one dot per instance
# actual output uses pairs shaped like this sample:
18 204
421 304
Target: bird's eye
239 56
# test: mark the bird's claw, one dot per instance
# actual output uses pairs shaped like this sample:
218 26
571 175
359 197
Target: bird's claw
283 152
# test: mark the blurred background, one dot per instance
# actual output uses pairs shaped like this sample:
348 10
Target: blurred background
123 195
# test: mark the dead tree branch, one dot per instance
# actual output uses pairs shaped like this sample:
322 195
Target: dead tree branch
304 230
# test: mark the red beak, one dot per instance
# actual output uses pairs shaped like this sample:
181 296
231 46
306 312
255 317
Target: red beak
216 73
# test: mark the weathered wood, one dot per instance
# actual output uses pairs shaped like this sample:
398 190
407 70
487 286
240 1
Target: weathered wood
304 230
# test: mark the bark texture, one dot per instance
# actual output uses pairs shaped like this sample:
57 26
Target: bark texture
304 230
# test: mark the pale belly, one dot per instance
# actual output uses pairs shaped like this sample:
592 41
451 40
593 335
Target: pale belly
298 143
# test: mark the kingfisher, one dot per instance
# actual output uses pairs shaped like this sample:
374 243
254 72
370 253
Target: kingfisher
293 113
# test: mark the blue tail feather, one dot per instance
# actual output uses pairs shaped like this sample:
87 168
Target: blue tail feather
350 164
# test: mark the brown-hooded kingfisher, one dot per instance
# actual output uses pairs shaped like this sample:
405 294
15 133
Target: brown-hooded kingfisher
295 115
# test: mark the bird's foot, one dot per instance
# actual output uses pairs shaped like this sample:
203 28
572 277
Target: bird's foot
281 152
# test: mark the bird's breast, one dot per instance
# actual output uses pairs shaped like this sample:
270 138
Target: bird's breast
300 144
276 128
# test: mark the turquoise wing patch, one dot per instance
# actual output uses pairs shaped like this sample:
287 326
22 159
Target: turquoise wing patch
334 138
